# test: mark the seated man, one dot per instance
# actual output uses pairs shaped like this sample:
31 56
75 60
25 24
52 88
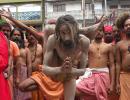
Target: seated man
96 82
60 68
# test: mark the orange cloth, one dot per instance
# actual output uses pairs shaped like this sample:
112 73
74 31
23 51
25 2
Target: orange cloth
14 49
50 89
125 86
14 52
36 94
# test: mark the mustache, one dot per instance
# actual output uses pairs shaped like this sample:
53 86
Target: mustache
19 42
68 44
16 39
108 39
128 32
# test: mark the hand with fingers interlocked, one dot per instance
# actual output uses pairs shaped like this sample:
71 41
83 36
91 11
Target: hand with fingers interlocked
67 65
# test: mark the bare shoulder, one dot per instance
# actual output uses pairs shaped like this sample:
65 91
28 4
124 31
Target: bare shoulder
13 44
84 40
109 46
39 46
120 43
51 43
52 39
84 43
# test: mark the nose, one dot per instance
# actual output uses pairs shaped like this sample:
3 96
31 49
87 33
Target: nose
67 37
98 33
128 26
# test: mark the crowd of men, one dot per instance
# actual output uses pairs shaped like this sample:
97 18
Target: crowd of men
64 62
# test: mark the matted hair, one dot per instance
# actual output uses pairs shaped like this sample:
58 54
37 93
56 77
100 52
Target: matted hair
70 22
21 34
121 20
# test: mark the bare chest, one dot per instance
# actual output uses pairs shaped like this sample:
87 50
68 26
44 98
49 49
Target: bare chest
125 48
68 53
23 53
96 50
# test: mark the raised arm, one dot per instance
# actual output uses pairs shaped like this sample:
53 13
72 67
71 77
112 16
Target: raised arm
7 14
90 31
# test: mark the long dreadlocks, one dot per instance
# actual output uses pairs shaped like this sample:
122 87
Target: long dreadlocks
121 20
71 23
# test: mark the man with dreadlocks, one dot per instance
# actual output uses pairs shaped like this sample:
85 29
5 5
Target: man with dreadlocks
65 59
24 70
87 31
123 59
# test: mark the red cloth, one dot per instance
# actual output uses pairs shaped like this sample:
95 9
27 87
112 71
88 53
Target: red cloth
4 87
95 87
108 29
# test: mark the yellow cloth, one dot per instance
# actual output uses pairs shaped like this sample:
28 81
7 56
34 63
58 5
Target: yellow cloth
50 89
125 86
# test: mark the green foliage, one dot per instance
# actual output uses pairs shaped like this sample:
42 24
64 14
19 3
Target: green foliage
2 22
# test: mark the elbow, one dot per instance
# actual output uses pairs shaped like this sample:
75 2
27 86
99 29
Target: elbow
21 87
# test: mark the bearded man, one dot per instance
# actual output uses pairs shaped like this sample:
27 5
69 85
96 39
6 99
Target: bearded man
59 66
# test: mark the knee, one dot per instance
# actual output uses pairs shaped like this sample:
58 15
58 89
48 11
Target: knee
78 93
